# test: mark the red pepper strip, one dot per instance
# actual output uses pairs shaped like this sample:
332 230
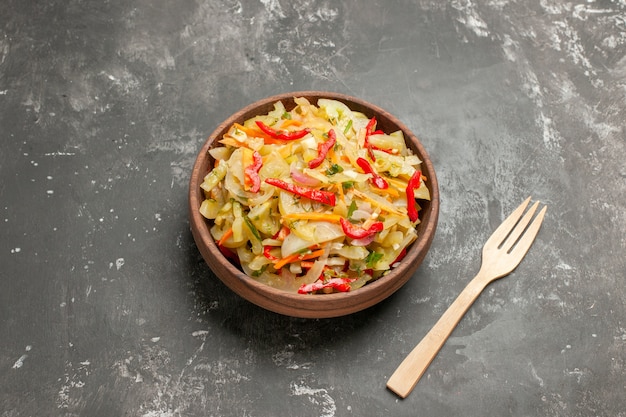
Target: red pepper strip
414 182
389 151
370 152
371 147
229 254
339 284
281 134
369 130
282 233
355 232
377 180
321 196
252 172
267 253
322 150
401 256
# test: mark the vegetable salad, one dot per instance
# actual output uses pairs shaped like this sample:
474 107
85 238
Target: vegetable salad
314 199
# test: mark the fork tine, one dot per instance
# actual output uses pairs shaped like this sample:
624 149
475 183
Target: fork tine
528 238
519 228
503 230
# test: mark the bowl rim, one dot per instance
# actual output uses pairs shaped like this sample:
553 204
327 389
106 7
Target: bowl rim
301 305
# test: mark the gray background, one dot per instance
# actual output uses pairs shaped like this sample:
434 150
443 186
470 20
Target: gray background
107 308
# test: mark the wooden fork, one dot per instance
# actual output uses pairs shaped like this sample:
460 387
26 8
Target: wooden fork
503 251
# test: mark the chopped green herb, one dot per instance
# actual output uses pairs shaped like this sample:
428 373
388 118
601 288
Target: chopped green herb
252 228
348 126
259 272
352 208
372 258
333 169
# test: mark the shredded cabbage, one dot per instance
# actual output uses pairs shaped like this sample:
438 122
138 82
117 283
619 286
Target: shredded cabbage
279 233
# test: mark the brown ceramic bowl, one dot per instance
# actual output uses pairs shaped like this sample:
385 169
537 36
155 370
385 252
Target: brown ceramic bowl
321 305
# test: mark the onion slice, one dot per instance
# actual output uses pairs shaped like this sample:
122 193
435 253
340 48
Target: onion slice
303 178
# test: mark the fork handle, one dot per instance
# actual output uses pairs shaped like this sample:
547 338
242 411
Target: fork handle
415 364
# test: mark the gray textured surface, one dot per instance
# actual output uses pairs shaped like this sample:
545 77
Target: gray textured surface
106 307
